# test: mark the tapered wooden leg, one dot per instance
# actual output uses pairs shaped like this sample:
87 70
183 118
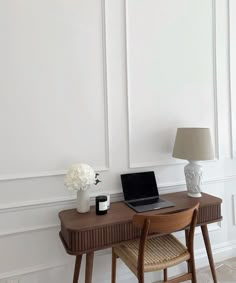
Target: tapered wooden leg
186 241
89 267
141 278
113 269
165 275
77 268
209 251
193 271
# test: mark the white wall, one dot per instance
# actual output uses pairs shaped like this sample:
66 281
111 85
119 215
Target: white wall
108 83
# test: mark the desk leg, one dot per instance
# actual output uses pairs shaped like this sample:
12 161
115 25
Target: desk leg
186 241
89 267
77 268
209 251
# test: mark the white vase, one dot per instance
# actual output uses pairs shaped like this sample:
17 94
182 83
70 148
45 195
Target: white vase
83 201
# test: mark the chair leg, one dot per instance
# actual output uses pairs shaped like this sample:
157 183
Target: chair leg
113 270
193 270
165 275
141 278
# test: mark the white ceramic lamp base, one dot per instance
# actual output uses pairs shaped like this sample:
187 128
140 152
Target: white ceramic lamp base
193 175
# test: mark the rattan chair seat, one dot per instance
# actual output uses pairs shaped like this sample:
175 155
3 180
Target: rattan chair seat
160 252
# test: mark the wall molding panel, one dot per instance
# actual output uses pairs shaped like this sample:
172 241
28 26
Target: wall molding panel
34 269
31 215
169 187
214 75
232 72
234 208
232 143
28 230
107 83
218 250
52 202
163 160
26 171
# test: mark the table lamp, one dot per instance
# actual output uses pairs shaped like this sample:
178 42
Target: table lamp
193 144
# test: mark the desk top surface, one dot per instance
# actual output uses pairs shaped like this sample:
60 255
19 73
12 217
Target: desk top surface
119 212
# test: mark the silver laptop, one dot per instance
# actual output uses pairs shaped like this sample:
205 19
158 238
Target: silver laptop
141 192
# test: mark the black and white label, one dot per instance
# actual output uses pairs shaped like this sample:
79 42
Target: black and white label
102 205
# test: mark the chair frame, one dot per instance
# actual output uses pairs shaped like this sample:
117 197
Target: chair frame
164 224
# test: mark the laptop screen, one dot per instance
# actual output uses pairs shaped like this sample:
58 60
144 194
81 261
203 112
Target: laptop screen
139 185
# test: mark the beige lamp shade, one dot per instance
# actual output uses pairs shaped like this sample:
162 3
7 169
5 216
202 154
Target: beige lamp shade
193 144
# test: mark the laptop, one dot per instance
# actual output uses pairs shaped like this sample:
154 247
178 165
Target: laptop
141 192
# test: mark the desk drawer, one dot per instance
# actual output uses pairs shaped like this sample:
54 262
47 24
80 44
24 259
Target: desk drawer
78 242
208 214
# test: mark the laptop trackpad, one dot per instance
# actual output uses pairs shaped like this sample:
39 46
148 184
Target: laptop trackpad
146 202
141 206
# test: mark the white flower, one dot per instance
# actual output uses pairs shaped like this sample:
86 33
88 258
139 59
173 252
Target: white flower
80 177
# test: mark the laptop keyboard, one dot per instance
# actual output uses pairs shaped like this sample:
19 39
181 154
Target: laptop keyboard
145 202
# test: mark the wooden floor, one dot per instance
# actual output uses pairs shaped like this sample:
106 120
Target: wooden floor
226 272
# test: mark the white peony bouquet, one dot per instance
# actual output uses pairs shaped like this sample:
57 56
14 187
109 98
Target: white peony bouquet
80 177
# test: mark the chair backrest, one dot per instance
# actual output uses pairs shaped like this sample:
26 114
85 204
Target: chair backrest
166 223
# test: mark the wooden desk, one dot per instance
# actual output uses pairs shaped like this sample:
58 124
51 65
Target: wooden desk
86 233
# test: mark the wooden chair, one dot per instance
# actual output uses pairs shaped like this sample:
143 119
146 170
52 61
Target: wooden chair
151 253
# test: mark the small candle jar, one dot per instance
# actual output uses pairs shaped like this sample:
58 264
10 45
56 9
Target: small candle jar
101 205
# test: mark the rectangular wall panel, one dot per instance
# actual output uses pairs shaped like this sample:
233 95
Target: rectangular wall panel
234 208
170 75
232 61
52 86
